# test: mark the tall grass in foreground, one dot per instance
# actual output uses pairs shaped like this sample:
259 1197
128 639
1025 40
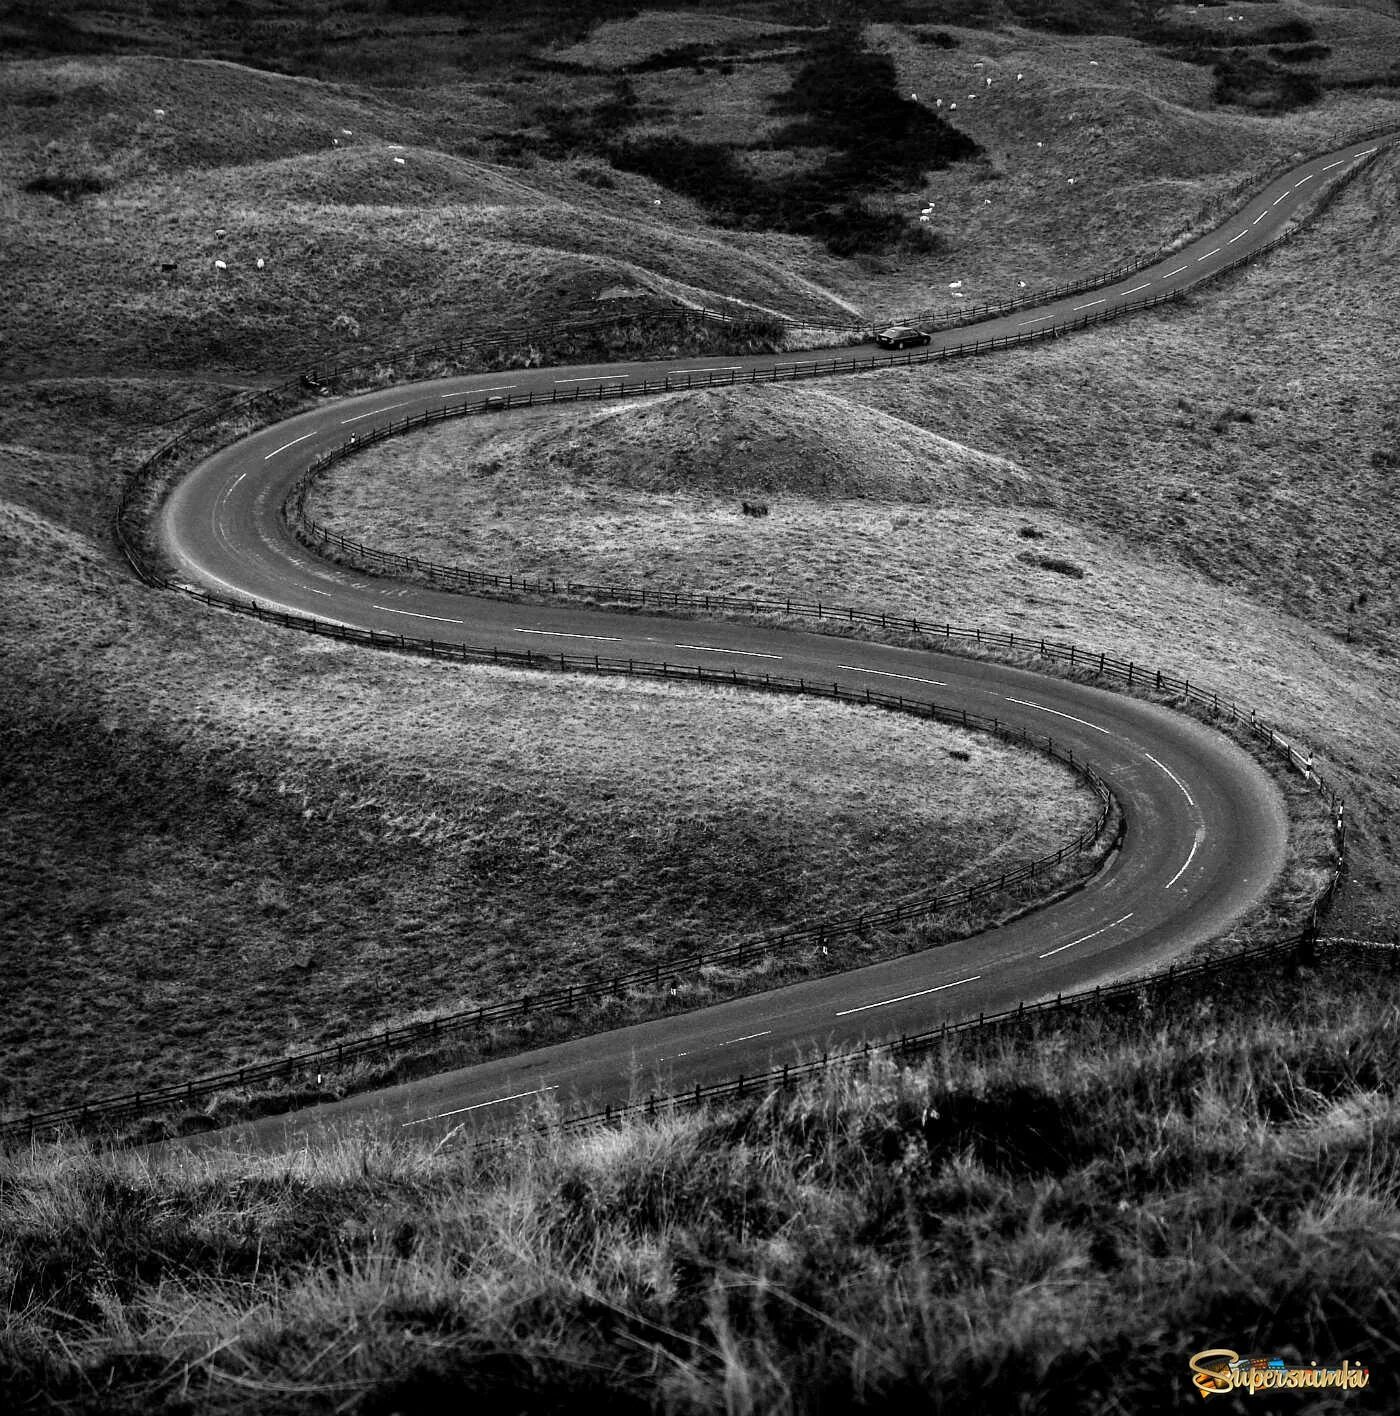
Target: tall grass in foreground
1054 1221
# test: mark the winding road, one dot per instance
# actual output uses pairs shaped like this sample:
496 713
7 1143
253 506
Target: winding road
1206 830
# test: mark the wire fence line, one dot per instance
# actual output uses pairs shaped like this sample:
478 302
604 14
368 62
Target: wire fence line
145 483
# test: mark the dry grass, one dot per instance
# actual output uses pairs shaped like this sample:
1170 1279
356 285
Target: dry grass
616 44
223 843
1059 1218
1250 547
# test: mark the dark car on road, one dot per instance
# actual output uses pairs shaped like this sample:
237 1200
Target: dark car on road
900 337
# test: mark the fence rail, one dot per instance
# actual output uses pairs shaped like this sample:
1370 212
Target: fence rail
144 485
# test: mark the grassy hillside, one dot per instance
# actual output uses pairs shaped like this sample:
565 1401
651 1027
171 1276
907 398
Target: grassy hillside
225 842
1194 507
1047 1223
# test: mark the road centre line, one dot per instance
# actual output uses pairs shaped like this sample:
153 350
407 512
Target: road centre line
1084 938
358 416
1026 703
717 369
710 649
293 443
1092 303
748 1037
597 378
467 393
1277 200
562 634
1208 255
1240 237
1195 846
904 997
1136 288
1173 776
1301 180
1171 273
417 614
1331 165
1039 319
462 1110
1259 218
886 673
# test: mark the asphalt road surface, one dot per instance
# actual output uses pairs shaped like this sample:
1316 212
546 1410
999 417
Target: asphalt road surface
1206 826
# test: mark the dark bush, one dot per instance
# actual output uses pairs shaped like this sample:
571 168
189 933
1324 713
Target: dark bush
1299 53
1055 563
1244 81
66 186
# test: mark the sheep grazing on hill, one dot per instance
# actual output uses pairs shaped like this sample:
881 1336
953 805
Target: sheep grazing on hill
754 508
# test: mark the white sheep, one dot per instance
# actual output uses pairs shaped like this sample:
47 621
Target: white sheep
160 113
400 161
260 262
220 265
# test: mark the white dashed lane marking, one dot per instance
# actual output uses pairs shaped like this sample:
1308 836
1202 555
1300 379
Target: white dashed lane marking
476 1106
372 413
1084 938
597 378
285 446
885 673
1092 303
560 634
1195 846
1136 288
1173 776
710 649
1026 703
416 614
1208 255
747 1037
467 392
1171 273
905 997
1039 319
